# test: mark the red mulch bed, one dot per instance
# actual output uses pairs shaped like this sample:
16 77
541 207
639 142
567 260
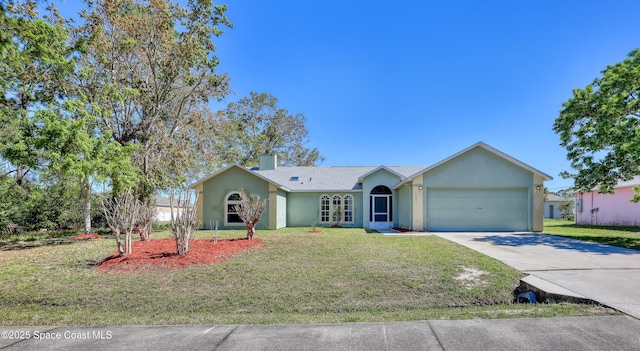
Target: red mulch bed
405 230
86 236
160 254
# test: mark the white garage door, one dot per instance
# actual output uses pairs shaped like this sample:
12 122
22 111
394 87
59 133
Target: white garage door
475 209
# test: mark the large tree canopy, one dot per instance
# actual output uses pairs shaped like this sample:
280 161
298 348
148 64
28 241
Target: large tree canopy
35 60
256 126
148 74
599 127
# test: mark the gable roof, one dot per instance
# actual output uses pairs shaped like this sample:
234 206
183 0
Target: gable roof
398 171
332 178
349 178
554 197
235 165
485 147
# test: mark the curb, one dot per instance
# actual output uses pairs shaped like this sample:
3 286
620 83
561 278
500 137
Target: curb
547 292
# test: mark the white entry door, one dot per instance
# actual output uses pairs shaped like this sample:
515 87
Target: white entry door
381 212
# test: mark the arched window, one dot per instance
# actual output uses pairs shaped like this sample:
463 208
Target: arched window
382 190
348 209
336 209
325 209
231 216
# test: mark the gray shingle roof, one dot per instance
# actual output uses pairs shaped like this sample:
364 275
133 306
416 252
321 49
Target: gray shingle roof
554 197
338 178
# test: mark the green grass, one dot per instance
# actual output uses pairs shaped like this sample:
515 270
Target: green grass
627 237
339 275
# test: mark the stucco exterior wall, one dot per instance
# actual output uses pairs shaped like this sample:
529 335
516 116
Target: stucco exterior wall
404 213
556 209
381 177
215 190
282 209
303 209
199 205
538 203
479 168
612 209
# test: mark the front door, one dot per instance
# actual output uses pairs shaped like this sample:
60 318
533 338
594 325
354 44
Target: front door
381 211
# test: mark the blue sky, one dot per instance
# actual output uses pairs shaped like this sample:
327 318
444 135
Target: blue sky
412 82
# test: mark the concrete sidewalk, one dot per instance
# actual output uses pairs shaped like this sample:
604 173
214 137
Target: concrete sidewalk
607 274
568 333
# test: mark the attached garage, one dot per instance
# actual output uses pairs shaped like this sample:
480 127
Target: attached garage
477 189
478 209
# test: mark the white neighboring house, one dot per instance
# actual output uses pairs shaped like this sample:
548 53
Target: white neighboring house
552 206
163 208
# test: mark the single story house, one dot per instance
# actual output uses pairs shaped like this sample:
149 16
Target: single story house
476 189
163 208
595 208
552 206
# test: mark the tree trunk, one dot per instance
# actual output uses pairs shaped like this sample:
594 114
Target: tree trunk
127 241
250 231
19 175
86 193
118 242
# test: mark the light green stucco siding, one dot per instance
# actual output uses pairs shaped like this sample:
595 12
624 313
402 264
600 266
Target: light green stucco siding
404 206
381 177
303 209
216 189
282 209
478 173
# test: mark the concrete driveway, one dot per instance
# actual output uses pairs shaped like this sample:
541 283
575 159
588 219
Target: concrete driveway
607 274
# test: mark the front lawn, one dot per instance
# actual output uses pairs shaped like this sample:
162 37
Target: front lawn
339 275
628 237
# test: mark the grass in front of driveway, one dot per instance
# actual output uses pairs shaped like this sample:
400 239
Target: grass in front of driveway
339 275
627 237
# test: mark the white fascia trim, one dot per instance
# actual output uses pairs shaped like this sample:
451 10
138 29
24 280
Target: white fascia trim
222 170
487 147
361 178
325 191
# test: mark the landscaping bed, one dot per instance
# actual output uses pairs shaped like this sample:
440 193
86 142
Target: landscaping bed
160 254
339 275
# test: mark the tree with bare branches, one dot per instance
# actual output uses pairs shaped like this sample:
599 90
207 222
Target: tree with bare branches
145 220
184 220
122 214
250 210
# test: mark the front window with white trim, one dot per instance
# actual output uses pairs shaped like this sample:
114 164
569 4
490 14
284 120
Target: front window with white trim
336 209
325 209
348 209
231 216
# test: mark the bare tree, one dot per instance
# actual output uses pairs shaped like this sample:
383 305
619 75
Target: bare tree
122 213
147 212
183 218
250 210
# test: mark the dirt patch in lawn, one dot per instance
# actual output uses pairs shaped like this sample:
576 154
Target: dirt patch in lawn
472 277
160 254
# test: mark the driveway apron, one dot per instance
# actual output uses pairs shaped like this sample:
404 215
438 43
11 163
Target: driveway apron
606 274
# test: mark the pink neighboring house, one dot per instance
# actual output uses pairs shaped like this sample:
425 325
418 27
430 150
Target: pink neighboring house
609 209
